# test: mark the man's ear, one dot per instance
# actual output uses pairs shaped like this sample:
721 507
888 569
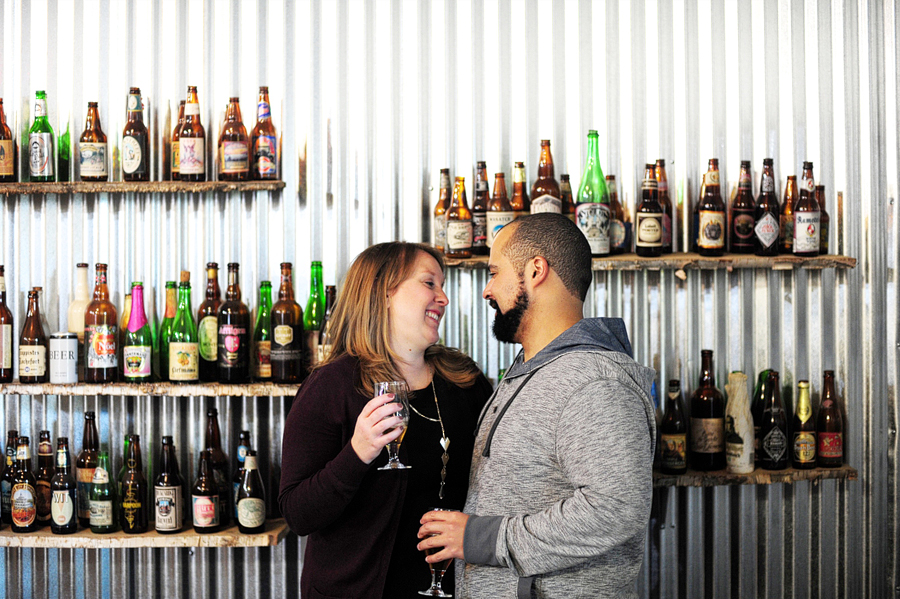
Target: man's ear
537 270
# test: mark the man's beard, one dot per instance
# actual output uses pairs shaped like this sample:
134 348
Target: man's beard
506 326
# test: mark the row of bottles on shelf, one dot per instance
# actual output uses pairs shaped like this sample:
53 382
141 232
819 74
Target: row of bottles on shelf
221 345
739 435
89 495
238 157
800 226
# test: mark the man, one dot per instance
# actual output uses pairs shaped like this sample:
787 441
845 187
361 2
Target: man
561 483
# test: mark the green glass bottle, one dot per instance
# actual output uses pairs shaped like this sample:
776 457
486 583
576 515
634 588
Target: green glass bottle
165 330
314 312
103 497
592 212
262 334
184 346
138 352
40 142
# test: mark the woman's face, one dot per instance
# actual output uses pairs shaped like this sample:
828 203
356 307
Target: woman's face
415 308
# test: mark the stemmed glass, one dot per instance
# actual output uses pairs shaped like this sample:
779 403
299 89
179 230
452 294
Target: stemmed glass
399 389
439 569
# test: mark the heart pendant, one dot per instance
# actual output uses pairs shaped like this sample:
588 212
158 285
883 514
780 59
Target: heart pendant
445 442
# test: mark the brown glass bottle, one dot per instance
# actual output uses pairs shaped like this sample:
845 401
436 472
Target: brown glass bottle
134 509
440 211
9 155
234 145
208 325
566 197
773 431
499 211
459 223
288 345
766 226
803 431
806 216
711 215
234 333
64 492
250 498
43 477
665 203
264 141
520 203
135 140
175 161
218 463
205 504
648 237
168 491
33 367
545 194
87 460
619 235
7 326
192 141
24 491
92 147
241 454
707 420
824 221
743 211
786 242
673 432
479 211
100 334
830 427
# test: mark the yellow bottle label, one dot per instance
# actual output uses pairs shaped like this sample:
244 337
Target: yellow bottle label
184 361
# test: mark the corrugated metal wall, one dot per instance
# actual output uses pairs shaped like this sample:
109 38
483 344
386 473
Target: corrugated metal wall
372 98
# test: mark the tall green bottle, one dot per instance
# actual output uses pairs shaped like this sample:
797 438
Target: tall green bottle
165 330
314 313
103 497
592 211
184 346
262 335
138 352
40 142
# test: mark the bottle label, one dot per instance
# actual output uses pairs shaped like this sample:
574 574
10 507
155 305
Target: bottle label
251 512
662 185
667 230
767 230
649 229
134 103
101 513
775 444
101 476
192 109
131 155
192 155
62 459
100 343
593 220
546 203
40 107
42 495
265 155
742 228
712 229
131 505
479 229
712 178
40 147
617 234
674 451
234 156
92 157
208 332
24 504
787 230
206 510
804 411
737 457
768 184
5 346
84 478
284 334
168 507
459 234
805 447
137 360
264 359
495 222
831 445
231 338
62 507
440 231
708 435
809 184
263 111
7 158
32 360
176 157
184 361
806 232
324 351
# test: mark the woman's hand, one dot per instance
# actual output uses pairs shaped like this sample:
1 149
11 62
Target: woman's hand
376 426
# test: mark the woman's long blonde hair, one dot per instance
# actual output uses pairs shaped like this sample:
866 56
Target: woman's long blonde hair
360 322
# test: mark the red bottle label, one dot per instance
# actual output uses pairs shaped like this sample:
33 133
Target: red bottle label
831 445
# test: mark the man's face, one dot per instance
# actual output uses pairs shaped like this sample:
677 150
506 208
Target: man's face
505 291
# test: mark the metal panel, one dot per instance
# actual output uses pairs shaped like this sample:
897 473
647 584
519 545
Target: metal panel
371 99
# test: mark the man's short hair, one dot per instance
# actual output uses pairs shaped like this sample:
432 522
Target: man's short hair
556 239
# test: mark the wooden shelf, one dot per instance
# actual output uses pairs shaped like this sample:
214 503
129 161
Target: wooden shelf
759 476
680 261
160 389
275 531
137 187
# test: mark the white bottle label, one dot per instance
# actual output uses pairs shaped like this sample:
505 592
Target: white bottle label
495 222
767 230
131 154
251 512
806 232
712 229
593 220
32 360
459 234
92 157
546 203
6 346
62 508
649 229
40 151
168 507
191 156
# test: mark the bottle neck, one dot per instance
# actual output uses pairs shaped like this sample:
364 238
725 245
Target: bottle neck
62 459
265 298
34 310
171 302
250 463
135 108
89 440
81 284
707 376
233 293
263 110
101 291
138 317
286 291
184 299
133 459
212 284
213 437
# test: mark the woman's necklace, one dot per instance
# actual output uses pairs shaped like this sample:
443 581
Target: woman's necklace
445 440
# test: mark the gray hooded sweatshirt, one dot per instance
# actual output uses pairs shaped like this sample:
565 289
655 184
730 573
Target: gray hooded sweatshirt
561 480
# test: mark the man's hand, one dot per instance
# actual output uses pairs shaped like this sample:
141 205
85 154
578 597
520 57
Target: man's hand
443 529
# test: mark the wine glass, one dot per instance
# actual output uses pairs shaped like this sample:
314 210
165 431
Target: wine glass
398 388
438 569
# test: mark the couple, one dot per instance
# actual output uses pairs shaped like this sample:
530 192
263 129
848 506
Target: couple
557 501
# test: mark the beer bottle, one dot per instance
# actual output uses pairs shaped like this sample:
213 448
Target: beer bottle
314 313
176 145
43 476
236 478
743 210
192 141
103 497
439 223
806 216
92 147
648 219
707 420
33 345
6 333
479 211
165 330
24 493
262 334
100 333
234 332
208 325
43 312
756 410
673 432
40 142
138 352
184 351
234 147
85 464
288 363
264 141
9 159
773 432
786 243
135 140
665 203
205 505
63 489
592 202
168 489
545 195
830 428
619 232
325 342
135 507
6 478
566 197
520 203
824 220
803 431
459 223
739 434
76 310
766 216
218 462
499 210
711 215
251 498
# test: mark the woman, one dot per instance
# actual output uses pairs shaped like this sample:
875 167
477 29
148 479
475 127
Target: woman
362 522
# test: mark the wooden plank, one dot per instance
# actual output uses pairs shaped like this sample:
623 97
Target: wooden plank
137 187
680 261
157 389
759 476
276 531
